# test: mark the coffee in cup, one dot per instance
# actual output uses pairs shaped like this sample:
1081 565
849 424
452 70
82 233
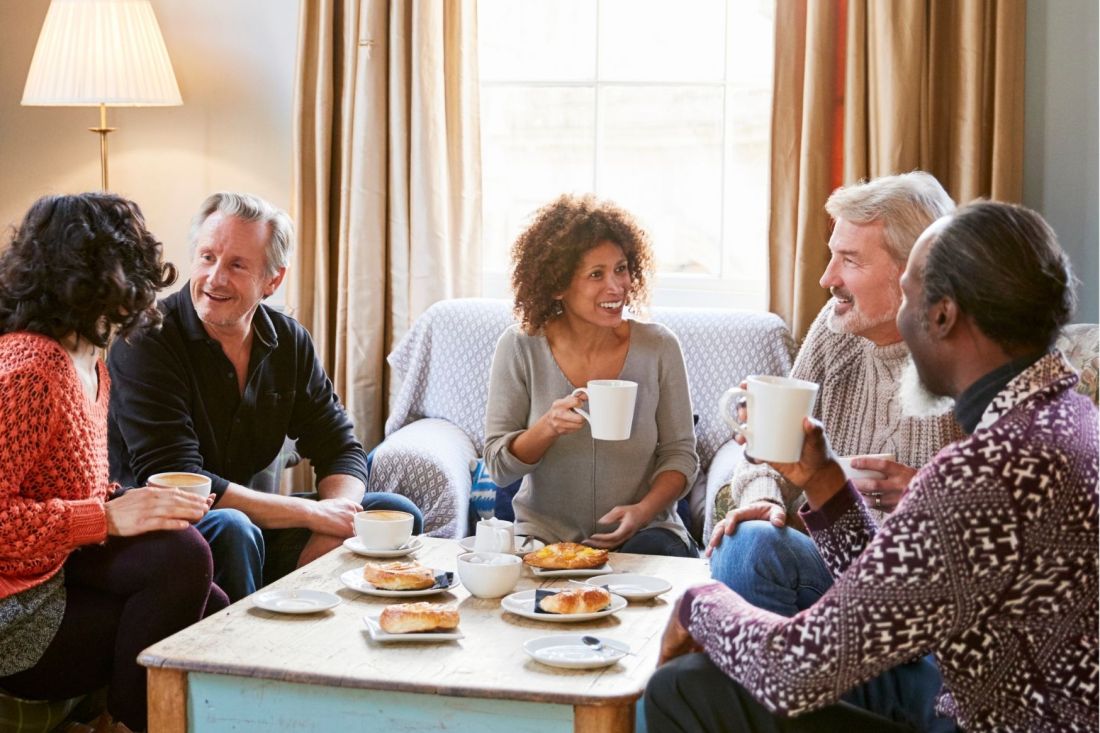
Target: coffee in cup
192 483
383 529
610 407
776 407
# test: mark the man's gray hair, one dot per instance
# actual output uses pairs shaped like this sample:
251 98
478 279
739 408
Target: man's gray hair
250 208
906 204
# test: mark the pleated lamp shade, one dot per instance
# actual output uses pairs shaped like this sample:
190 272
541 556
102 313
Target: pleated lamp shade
101 52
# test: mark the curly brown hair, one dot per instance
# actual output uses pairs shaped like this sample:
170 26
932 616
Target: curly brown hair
546 256
79 264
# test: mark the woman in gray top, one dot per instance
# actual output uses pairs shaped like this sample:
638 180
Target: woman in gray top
577 267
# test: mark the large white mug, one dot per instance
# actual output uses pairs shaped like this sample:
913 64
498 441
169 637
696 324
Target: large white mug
610 407
776 407
494 535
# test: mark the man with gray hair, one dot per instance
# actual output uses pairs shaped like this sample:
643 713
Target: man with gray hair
219 390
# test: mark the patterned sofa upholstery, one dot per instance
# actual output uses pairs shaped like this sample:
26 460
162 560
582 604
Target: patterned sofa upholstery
435 431
1080 342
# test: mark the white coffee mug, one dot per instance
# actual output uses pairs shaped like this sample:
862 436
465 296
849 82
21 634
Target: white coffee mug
383 529
192 483
494 535
850 472
610 407
776 407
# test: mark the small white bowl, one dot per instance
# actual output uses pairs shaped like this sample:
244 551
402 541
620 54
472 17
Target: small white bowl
489 574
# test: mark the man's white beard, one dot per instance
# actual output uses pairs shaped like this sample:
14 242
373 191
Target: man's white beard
916 399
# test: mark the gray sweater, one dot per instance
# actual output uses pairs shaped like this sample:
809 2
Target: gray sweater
580 479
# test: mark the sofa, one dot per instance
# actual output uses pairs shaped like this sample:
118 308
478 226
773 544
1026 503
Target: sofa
435 433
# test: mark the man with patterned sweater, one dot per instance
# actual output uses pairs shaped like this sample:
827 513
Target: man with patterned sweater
990 560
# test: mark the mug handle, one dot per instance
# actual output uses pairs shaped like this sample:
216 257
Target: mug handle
578 410
739 428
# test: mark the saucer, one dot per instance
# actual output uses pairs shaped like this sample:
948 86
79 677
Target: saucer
295 601
604 569
633 587
523 545
377 634
354 579
522 603
568 651
355 544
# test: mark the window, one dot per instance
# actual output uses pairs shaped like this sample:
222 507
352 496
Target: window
663 107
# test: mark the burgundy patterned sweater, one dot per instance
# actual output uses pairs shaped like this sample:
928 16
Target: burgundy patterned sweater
989 562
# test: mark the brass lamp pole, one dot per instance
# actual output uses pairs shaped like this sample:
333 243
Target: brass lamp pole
103 131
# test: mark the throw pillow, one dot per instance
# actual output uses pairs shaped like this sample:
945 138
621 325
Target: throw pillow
487 499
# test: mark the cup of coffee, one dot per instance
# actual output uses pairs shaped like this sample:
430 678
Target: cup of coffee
192 483
610 407
849 472
383 529
776 407
489 574
494 535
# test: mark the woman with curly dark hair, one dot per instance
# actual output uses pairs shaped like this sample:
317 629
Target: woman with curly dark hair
86 580
577 269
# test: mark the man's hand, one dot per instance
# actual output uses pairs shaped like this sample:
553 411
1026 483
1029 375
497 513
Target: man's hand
883 493
816 472
763 510
317 545
147 509
676 640
629 517
334 517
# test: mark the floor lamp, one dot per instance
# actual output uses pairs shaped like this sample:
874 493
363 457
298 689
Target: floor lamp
101 53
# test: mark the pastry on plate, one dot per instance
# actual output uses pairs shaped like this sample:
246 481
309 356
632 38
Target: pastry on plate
408 618
577 600
399 575
566 556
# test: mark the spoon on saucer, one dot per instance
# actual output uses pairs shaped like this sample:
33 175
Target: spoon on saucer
597 645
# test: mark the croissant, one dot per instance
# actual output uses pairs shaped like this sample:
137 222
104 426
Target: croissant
577 600
401 575
407 618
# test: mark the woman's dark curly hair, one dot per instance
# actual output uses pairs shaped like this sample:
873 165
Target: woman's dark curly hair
545 257
82 264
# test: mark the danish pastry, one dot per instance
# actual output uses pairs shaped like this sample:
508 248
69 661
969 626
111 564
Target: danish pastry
576 600
408 618
566 556
400 575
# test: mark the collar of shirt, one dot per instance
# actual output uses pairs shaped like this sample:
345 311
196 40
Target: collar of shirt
971 404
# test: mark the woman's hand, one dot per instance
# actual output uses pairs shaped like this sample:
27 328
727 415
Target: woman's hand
561 418
883 493
629 517
150 508
676 641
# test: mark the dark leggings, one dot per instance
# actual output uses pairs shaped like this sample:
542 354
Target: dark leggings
120 598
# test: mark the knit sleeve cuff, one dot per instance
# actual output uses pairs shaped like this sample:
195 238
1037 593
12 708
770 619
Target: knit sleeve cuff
763 488
88 522
688 601
821 519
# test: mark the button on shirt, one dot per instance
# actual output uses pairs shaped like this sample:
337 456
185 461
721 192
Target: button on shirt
176 405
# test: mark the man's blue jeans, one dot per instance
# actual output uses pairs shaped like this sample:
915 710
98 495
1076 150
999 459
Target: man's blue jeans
779 569
247 557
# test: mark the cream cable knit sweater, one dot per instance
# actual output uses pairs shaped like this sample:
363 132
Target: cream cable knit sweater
859 404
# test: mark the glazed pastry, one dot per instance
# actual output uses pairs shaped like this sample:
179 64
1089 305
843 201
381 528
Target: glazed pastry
566 556
400 575
408 618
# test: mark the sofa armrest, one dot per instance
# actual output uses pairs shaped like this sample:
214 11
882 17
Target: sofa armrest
722 466
428 461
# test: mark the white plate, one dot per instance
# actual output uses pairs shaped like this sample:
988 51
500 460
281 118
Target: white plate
354 579
356 545
520 548
522 603
604 569
633 587
302 600
377 634
567 650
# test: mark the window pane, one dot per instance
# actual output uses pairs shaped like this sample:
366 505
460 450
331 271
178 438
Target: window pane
748 117
537 40
658 40
536 143
661 158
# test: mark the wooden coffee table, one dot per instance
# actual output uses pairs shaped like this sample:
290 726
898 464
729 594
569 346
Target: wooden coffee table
245 669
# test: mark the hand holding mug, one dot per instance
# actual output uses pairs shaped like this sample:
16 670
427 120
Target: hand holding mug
769 415
816 471
562 417
153 508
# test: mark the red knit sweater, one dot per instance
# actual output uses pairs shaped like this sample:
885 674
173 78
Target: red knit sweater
53 460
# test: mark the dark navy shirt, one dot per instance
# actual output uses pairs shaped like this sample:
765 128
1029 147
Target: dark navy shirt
971 404
176 405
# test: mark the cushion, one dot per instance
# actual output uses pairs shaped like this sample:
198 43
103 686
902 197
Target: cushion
487 499
1080 343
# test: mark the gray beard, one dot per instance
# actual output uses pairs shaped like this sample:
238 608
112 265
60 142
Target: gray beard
916 399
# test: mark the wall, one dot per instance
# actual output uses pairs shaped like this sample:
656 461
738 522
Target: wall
234 62
1061 132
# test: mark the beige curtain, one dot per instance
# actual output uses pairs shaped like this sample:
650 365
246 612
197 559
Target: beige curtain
387 175
866 88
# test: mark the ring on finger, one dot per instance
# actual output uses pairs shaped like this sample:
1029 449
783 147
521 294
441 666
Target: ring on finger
877 496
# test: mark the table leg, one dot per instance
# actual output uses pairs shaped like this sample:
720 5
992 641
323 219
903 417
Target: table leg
603 718
167 689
